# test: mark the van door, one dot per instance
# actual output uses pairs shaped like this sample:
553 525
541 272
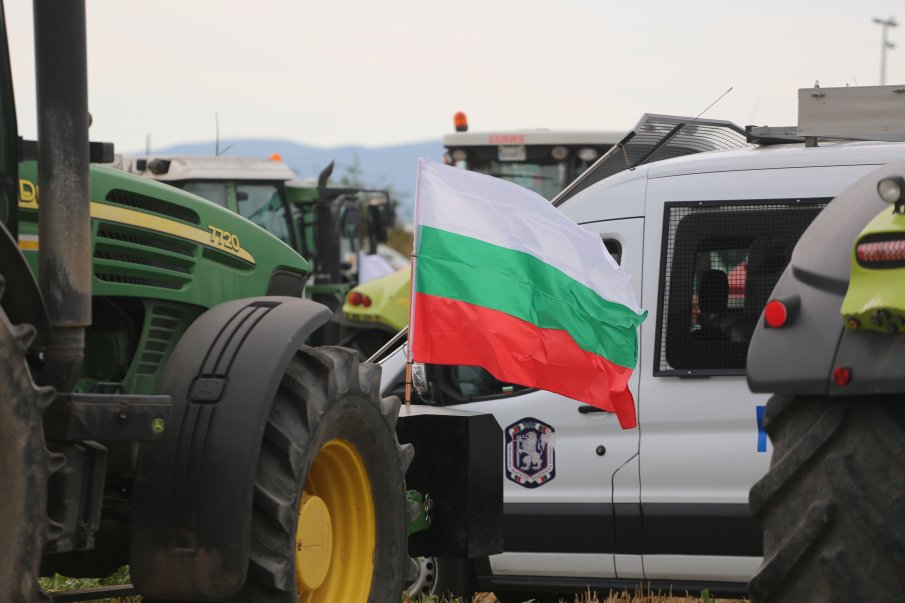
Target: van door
702 446
561 459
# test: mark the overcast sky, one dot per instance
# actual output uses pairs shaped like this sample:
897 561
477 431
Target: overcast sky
393 71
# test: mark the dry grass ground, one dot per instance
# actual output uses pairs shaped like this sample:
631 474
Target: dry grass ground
59 583
638 596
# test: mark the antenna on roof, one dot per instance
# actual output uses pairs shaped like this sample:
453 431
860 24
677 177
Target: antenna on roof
658 148
713 103
217 151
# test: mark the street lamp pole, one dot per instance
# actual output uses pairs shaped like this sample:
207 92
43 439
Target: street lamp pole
886 23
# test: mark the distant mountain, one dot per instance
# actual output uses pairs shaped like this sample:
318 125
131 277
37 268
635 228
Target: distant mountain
377 167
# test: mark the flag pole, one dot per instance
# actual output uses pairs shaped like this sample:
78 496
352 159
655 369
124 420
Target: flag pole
414 260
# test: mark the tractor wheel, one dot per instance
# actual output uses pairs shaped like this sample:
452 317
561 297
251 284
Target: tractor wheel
443 576
330 514
24 466
833 503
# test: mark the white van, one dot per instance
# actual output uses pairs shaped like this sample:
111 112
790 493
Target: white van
705 238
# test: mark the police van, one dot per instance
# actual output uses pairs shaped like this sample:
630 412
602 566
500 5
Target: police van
705 237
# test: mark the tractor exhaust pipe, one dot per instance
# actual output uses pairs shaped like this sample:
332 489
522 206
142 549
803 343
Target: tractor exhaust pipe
64 221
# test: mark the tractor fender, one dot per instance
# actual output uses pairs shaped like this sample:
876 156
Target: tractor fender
193 493
25 305
800 357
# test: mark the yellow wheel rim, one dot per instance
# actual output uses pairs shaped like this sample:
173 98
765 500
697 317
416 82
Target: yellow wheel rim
336 530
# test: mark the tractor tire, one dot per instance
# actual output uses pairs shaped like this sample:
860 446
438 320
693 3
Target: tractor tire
832 505
443 577
25 466
330 513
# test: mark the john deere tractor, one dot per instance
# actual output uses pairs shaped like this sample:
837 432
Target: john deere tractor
328 225
831 347
158 406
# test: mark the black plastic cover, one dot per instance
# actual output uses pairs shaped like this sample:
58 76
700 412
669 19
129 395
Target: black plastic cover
191 520
459 463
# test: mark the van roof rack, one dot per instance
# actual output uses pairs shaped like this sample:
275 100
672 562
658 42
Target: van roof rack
867 113
843 113
657 137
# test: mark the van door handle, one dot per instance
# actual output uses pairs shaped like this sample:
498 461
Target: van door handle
587 408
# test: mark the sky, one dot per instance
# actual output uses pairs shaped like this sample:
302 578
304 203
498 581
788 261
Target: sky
395 71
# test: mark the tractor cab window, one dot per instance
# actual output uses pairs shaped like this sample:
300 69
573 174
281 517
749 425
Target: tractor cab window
212 191
544 179
263 204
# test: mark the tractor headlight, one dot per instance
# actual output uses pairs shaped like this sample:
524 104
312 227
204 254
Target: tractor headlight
891 189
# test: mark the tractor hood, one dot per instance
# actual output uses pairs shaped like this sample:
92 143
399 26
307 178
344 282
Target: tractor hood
153 240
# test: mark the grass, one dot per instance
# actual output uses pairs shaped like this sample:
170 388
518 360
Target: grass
57 583
640 595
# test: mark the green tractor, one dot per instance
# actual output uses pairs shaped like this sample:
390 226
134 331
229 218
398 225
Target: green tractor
831 348
332 226
158 404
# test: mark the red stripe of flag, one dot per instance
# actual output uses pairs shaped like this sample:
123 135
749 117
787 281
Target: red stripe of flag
448 331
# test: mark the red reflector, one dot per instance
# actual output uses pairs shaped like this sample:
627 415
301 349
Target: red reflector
882 251
842 375
775 313
365 301
355 298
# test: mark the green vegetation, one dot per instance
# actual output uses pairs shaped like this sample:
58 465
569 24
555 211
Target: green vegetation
58 583
640 595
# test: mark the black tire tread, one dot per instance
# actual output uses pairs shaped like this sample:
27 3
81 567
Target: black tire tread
833 503
23 494
313 379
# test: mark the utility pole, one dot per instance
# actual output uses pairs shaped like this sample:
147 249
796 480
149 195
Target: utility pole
887 23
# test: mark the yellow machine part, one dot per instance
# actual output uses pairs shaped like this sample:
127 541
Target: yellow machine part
336 533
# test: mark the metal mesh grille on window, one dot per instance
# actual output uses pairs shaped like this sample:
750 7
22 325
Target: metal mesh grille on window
721 262
657 137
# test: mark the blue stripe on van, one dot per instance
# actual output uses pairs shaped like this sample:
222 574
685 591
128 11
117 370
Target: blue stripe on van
761 434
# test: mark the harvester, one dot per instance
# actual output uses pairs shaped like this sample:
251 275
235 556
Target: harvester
830 348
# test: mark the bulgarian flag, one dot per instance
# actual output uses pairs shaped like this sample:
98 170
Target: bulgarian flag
504 281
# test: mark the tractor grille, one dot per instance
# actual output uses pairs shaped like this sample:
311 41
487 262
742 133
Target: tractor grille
131 257
150 204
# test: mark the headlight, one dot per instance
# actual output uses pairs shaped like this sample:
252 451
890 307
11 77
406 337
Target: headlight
891 190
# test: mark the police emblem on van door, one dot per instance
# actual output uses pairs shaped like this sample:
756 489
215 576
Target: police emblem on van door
529 453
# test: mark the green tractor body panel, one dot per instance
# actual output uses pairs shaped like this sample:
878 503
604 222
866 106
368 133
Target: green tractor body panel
389 305
876 293
168 256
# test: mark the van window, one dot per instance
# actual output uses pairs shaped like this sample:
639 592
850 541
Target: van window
471 383
615 249
719 264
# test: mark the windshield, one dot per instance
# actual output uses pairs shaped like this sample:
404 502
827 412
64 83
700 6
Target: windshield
263 205
544 179
534 168
212 191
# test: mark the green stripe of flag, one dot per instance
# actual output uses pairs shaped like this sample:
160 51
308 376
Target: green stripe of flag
470 270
